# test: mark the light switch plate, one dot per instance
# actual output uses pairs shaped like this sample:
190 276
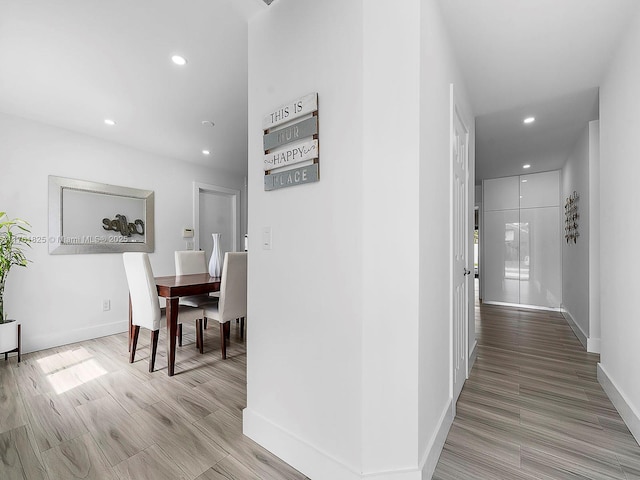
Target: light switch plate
266 238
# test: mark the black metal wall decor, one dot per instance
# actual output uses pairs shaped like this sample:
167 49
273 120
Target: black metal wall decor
571 217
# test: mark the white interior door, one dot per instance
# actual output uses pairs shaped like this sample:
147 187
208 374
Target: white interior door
461 271
216 211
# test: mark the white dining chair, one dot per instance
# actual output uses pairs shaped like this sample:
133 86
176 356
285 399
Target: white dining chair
145 306
189 262
233 295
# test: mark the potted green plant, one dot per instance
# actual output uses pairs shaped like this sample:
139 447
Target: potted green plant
13 240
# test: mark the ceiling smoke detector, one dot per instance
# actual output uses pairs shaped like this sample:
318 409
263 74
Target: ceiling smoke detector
268 2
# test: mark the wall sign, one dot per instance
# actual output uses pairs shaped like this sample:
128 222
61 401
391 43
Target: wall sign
298 131
289 178
291 111
287 143
291 155
126 228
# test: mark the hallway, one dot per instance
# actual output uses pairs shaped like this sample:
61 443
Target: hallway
532 407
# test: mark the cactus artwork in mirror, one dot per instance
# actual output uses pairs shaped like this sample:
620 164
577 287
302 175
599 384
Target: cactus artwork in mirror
13 240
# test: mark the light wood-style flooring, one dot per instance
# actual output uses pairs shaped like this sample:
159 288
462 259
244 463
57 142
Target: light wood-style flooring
83 412
533 409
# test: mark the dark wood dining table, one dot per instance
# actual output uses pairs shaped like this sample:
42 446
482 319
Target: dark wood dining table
172 288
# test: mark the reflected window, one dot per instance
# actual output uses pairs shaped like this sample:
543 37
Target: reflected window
516 251
511 253
524 251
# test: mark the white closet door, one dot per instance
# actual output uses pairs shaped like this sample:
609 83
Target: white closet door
502 261
540 190
501 194
540 274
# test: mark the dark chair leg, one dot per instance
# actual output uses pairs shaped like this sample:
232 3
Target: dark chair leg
19 341
223 339
200 335
241 327
6 356
205 322
134 342
179 334
130 322
154 348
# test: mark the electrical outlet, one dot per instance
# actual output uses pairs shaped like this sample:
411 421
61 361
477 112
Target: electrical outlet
106 305
189 245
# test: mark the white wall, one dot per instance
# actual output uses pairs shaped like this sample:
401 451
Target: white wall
58 298
479 203
593 342
577 291
619 228
305 295
349 355
438 71
391 205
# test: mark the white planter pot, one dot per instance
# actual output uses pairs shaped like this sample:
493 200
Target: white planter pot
8 336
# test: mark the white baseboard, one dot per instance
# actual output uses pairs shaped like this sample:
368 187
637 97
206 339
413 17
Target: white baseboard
434 448
575 327
591 345
473 355
40 341
521 305
320 465
293 450
619 400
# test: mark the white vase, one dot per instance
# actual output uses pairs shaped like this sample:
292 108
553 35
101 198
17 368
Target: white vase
8 336
215 262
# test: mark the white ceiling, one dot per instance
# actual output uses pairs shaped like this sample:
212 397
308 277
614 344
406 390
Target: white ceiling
73 63
532 57
504 143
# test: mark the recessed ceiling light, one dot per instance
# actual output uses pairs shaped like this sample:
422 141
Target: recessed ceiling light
529 120
526 166
109 122
179 60
208 123
524 181
206 152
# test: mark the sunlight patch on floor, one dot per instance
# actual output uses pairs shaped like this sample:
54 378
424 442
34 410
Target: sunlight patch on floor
70 369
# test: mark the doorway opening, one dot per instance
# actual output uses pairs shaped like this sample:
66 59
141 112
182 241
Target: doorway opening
216 210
